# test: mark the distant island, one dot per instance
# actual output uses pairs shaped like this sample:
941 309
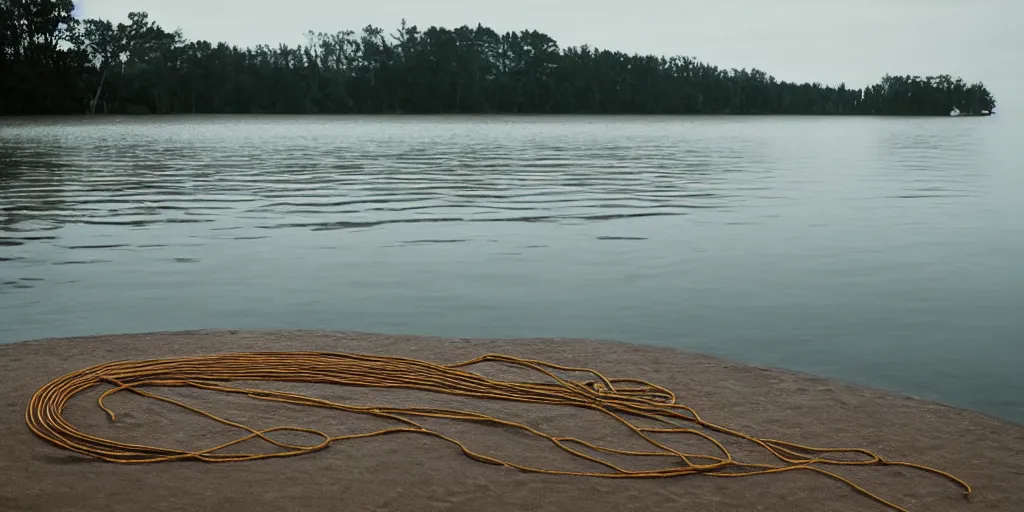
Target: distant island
54 63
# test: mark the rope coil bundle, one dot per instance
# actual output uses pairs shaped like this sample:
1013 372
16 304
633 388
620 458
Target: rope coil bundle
615 397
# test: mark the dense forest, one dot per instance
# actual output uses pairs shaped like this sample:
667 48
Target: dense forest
53 63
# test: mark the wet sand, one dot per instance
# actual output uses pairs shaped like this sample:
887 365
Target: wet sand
417 473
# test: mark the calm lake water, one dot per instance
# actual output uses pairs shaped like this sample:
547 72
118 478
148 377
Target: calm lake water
886 252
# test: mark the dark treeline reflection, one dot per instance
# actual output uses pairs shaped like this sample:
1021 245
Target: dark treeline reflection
51 62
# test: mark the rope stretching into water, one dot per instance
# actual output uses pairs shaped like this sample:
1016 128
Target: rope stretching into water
618 398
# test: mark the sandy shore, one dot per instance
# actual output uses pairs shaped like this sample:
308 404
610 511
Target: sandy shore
417 473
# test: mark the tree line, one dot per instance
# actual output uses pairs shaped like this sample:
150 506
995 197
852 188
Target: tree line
53 63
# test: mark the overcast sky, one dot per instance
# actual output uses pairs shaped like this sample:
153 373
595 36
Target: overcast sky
852 41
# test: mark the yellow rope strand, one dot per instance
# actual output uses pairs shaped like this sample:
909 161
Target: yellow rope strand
615 398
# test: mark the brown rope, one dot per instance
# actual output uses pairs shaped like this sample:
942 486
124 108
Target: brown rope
616 398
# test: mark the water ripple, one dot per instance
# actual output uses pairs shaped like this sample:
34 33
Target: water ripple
216 174
339 177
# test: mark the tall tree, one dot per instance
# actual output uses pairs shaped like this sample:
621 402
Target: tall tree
41 61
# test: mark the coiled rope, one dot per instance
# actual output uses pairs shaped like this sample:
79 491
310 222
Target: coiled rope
614 397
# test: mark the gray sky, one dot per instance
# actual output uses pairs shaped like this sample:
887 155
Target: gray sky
856 41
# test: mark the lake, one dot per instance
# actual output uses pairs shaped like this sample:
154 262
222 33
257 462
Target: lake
880 251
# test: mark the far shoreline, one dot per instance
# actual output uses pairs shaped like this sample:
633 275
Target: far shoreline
471 115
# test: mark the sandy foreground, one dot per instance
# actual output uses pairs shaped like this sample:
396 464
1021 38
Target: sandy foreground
418 473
